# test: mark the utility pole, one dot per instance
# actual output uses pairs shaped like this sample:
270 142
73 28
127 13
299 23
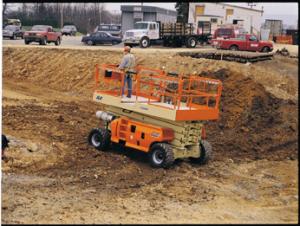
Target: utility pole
61 15
251 4
100 10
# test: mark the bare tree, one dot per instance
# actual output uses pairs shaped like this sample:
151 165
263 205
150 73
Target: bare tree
5 9
86 16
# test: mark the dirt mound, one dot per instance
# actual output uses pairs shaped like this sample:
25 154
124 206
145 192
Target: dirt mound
54 176
63 70
253 122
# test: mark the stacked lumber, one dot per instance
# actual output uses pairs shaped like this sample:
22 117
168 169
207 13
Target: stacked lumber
176 29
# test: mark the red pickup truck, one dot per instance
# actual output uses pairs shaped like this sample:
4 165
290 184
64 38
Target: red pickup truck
42 34
245 42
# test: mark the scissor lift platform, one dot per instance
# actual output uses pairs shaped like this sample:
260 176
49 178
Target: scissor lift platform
163 117
156 93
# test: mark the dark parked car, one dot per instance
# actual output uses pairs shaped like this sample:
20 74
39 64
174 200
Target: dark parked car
113 29
69 30
101 38
12 32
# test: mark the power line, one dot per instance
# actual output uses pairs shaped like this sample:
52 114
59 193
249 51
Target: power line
251 4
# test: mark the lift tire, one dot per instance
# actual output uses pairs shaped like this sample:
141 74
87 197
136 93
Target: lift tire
191 42
205 153
145 42
161 155
99 139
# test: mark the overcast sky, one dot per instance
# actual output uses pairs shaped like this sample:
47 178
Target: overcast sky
269 8
288 12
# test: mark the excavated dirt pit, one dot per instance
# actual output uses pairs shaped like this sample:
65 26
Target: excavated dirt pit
53 176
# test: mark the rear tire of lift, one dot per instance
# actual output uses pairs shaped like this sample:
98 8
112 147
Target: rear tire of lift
99 139
205 153
161 155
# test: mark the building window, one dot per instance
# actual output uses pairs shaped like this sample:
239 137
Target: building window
204 27
239 22
214 20
229 12
137 8
199 10
137 20
137 15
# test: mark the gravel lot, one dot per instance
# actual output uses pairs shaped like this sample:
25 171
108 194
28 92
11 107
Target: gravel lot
75 42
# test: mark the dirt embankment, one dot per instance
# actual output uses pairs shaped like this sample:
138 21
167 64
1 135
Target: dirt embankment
55 177
258 117
254 123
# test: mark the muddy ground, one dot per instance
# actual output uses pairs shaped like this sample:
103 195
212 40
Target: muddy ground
53 176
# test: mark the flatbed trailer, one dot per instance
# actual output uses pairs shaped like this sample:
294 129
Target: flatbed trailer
181 34
167 34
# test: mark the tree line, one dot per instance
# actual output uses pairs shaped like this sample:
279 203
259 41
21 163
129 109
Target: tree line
85 16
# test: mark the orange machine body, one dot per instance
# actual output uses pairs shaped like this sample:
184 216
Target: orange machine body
138 135
155 93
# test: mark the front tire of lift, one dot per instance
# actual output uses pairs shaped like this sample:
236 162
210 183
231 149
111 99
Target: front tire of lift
99 139
205 153
161 155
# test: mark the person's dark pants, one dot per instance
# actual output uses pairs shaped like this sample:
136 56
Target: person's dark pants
5 142
127 80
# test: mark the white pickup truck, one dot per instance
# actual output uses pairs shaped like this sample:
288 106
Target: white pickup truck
146 33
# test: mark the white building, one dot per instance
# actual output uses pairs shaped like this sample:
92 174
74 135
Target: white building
215 14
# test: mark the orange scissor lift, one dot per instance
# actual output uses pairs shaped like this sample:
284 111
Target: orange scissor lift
164 116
